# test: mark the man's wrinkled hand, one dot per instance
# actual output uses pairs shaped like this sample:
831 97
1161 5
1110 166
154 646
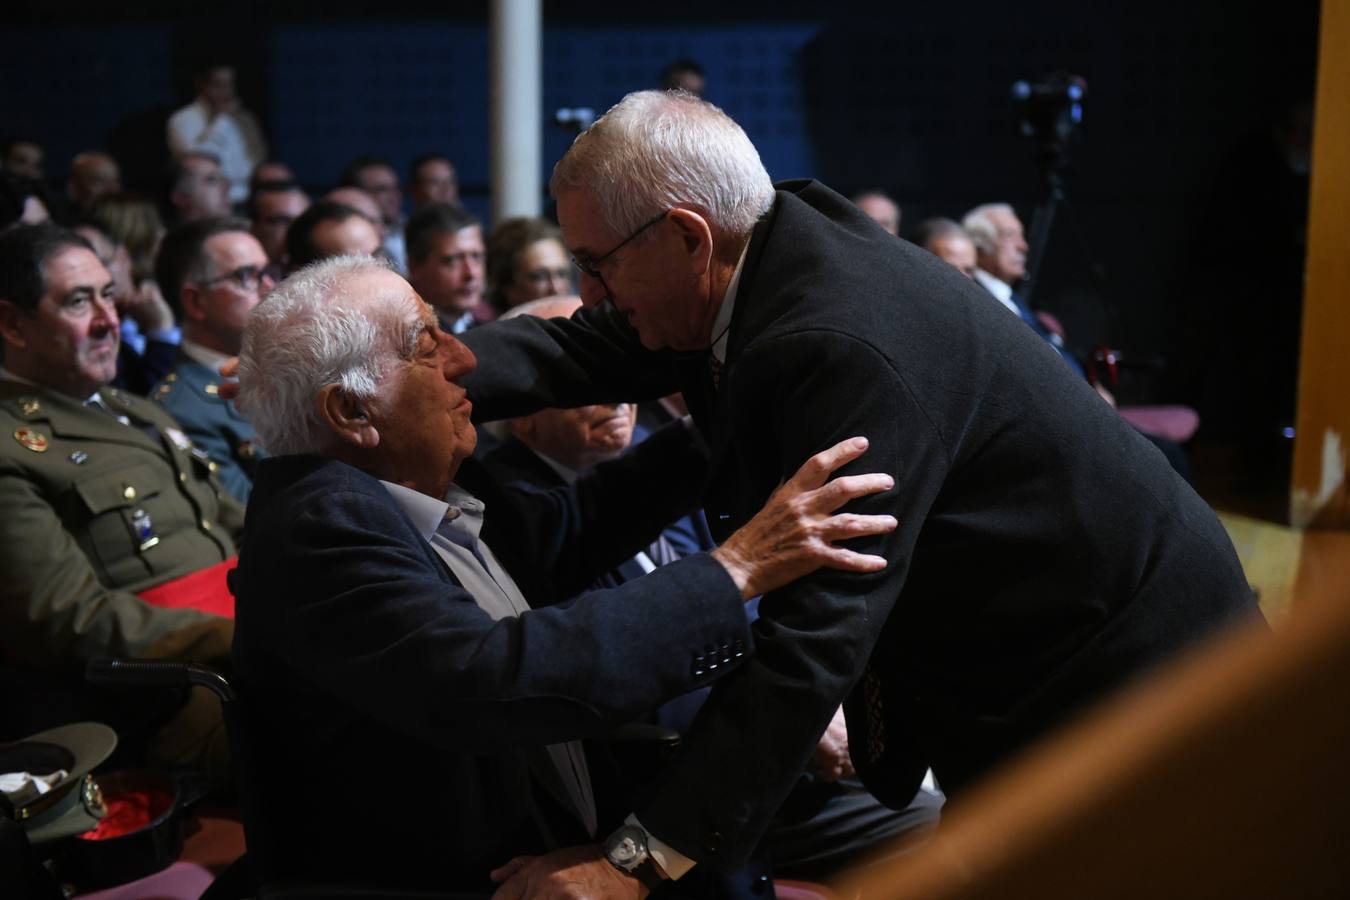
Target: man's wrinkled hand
573 873
794 534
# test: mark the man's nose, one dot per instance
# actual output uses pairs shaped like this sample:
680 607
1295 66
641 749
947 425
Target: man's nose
459 361
105 313
591 290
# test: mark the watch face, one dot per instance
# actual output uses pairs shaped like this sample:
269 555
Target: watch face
625 850
627 847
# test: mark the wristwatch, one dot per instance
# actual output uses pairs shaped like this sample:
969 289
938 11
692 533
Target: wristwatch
626 850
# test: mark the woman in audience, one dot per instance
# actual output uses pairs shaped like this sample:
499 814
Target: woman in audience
526 261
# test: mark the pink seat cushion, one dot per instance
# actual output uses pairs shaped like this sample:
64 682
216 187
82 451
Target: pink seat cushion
1176 423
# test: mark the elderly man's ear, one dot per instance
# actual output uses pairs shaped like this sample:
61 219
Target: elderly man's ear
346 416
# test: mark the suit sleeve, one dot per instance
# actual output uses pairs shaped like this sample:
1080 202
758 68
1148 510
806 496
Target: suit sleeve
578 532
526 364
54 610
354 604
814 637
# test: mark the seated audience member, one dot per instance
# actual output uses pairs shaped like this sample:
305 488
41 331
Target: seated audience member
104 498
329 228
270 170
445 264
1000 255
396 605
93 174
526 261
25 157
880 209
361 201
272 207
148 333
377 177
684 75
829 819
1001 263
216 123
198 188
432 179
22 200
217 273
144 313
949 242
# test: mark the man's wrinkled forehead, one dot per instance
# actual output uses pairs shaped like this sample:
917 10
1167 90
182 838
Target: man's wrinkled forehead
72 269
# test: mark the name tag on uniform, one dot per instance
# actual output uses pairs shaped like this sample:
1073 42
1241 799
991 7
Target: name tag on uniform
144 528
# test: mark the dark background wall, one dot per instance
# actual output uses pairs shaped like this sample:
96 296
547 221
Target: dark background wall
914 100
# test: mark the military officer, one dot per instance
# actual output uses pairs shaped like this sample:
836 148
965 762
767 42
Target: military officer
214 271
102 495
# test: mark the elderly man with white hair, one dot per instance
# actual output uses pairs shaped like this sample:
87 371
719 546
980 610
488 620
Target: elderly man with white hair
1046 553
397 634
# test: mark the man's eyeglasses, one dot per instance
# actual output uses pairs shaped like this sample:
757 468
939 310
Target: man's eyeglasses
246 278
589 266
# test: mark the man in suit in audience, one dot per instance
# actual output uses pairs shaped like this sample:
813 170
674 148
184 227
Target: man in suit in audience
198 189
447 264
432 179
102 497
1001 264
216 272
92 175
273 206
327 229
397 607
880 209
1046 555
377 178
948 241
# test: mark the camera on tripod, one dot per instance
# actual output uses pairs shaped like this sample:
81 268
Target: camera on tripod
1050 110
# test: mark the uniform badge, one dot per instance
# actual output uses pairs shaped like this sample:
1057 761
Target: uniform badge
144 528
79 457
179 439
212 389
33 440
29 406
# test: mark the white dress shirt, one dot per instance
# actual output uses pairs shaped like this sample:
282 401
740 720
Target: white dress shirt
452 526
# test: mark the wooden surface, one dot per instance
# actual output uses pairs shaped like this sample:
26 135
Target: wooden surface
1319 494
1227 775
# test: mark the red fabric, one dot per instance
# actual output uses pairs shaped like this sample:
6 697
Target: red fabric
203 590
129 812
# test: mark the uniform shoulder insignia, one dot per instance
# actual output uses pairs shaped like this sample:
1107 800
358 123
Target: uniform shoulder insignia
164 390
33 440
213 389
29 406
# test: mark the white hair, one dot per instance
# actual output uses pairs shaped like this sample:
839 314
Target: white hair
311 331
655 150
982 230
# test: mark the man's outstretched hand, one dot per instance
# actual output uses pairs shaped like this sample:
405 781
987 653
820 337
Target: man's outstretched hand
794 534
573 873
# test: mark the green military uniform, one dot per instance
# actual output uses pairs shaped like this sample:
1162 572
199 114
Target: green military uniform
92 511
191 394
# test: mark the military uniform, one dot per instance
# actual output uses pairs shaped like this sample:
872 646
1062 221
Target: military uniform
190 393
93 511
